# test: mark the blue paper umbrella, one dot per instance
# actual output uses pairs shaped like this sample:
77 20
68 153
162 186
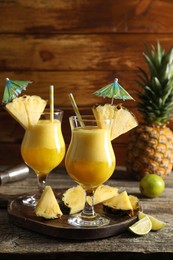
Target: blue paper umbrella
114 91
13 89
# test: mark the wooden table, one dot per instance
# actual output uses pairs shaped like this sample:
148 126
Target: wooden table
19 243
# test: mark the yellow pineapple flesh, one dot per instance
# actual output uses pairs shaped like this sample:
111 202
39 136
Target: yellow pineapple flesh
48 206
134 202
17 110
26 110
119 202
74 199
122 120
103 193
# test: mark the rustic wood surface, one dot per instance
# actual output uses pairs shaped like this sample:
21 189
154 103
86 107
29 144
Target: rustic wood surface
85 16
19 243
79 46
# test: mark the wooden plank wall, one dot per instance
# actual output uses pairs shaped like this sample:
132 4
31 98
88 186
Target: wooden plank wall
78 46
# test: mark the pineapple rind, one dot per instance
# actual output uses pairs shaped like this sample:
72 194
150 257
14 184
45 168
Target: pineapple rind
150 150
48 206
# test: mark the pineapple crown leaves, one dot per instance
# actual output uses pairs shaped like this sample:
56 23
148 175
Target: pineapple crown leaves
156 99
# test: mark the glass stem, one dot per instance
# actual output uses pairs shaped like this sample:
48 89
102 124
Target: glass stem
41 180
88 211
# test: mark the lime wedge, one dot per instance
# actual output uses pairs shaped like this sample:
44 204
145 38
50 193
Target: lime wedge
156 224
141 227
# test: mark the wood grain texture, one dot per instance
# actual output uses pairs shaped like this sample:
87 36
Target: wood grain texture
76 52
17 243
78 46
37 16
81 83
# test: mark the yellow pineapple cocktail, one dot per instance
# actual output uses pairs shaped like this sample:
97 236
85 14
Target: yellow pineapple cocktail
90 161
43 146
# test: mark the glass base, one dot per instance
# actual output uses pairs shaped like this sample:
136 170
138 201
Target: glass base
80 221
30 200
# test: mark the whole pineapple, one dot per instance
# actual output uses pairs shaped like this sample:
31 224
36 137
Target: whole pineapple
150 149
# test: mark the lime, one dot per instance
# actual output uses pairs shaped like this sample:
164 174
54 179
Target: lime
151 185
156 224
141 227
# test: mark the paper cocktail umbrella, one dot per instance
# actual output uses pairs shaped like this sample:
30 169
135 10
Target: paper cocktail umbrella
114 91
13 89
122 120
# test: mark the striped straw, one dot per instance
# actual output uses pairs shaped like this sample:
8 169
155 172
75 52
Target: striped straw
51 103
76 110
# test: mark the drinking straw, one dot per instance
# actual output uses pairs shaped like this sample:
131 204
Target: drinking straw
76 110
51 103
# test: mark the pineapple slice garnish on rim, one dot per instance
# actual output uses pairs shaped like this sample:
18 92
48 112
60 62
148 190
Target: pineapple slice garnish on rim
26 110
122 119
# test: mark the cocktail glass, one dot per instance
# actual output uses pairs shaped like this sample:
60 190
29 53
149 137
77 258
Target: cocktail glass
43 149
90 161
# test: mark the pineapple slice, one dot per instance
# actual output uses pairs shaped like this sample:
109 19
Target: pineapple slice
16 109
134 202
119 202
123 119
26 110
34 106
48 206
74 199
103 193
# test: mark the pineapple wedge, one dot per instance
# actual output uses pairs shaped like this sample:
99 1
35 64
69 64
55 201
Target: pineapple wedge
103 193
119 202
48 206
34 106
26 110
74 199
123 119
134 202
17 110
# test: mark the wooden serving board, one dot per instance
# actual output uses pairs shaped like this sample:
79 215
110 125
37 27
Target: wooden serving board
25 217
